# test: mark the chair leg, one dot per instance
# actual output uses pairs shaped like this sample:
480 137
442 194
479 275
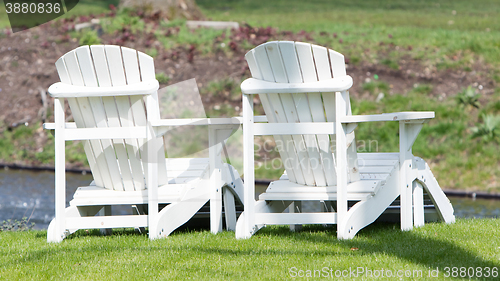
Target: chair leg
229 209
431 186
178 213
259 207
70 212
365 212
295 207
418 204
106 211
139 210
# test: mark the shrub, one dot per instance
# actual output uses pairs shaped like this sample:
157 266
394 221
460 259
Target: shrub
15 225
162 78
90 38
489 130
468 97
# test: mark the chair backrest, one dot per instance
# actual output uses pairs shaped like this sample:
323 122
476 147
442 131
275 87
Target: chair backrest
116 164
308 159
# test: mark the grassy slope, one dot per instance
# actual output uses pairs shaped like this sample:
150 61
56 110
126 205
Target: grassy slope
428 32
268 255
436 32
84 7
446 26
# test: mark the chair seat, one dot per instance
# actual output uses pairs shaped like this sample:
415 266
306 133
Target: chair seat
374 168
181 173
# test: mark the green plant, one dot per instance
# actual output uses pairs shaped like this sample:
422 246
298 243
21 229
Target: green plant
89 38
162 78
422 89
225 88
123 20
375 87
16 225
390 63
153 52
489 130
468 97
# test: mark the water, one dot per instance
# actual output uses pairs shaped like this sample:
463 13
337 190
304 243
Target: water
31 194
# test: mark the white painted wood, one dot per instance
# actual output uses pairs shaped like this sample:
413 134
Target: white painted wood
405 182
317 114
304 114
379 156
117 125
248 168
60 173
367 211
397 116
338 63
117 78
324 71
178 213
102 150
123 105
369 162
198 122
283 186
418 204
296 218
373 179
105 115
341 162
105 133
255 86
431 186
272 104
294 208
52 126
215 190
254 69
285 110
107 222
229 209
323 68
308 128
106 211
77 116
353 196
62 90
377 169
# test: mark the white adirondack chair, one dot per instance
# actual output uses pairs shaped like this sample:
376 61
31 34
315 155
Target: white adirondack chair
112 94
303 90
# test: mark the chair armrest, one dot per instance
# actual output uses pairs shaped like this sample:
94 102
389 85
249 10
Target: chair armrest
162 126
256 86
257 119
196 122
52 126
396 116
63 90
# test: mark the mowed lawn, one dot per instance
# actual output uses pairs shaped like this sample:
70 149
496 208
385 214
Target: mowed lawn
445 38
274 253
430 32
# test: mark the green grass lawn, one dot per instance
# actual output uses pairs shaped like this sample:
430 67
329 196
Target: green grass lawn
455 36
273 253
84 7
431 28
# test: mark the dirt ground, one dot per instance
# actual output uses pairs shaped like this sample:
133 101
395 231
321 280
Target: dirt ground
27 67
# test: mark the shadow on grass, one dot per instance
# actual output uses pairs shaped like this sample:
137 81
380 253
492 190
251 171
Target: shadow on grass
432 250
378 238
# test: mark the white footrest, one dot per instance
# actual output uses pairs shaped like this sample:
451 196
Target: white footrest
296 218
